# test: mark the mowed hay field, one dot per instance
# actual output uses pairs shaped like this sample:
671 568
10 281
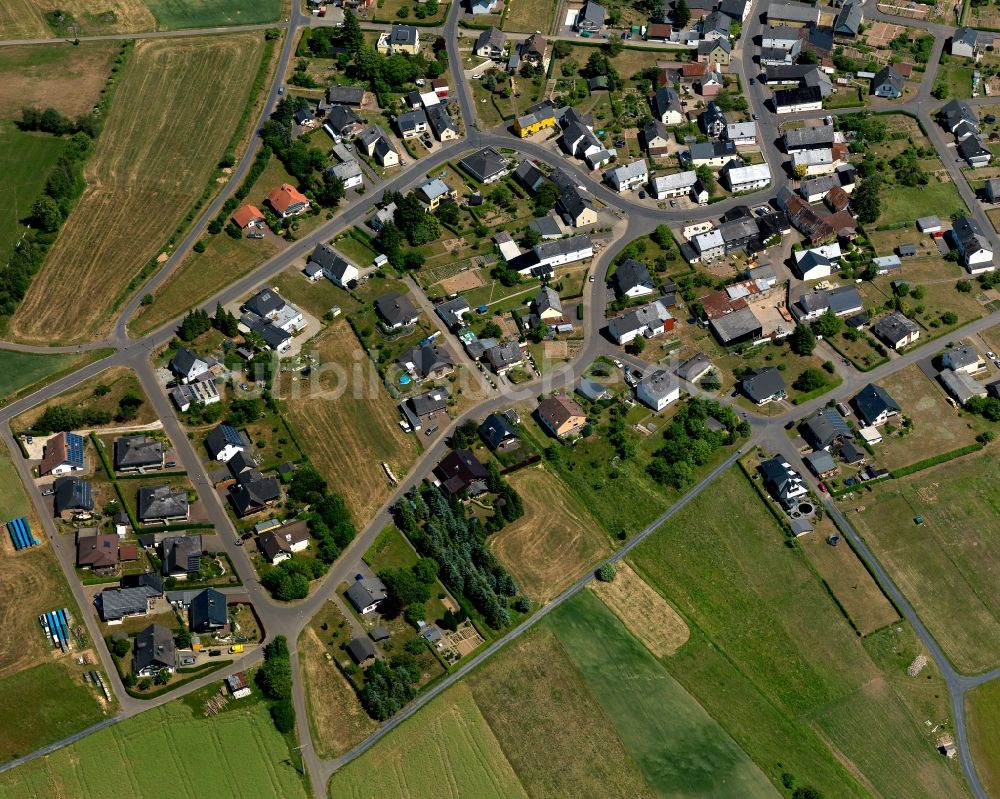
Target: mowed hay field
679 748
348 436
554 542
238 752
63 76
205 13
774 660
937 427
949 566
850 581
25 19
982 707
338 720
171 119
19 371
447 751
645 614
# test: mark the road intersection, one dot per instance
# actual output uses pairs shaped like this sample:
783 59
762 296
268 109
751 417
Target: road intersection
641 218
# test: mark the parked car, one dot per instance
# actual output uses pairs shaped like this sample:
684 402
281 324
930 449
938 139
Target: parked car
48 492
991 355
591 278
187 662
169 464
822 487
431 430
214 653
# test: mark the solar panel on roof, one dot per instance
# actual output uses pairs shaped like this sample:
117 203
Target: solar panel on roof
232 435
74 449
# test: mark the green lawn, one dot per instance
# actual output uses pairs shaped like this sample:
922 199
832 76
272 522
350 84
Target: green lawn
54 702
681 752
25 161
948 564
20 370
207 13
238 752
774 660
983 709
907 203
956 76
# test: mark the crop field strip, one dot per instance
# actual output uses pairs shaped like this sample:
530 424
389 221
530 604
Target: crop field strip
147 170
983 712
948 566
366 429
240 746
556 539
722 562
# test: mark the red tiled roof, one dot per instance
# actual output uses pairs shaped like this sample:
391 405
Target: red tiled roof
55 453
246 214
284 196
659 30
694 70
128 552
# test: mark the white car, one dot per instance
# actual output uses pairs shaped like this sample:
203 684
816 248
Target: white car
619 364
991 355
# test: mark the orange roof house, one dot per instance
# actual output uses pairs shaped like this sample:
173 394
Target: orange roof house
248 216
288 201
561 415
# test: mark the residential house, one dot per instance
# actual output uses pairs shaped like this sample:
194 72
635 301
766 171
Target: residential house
62 454
591 17
741 132
385 153
817 263
421 407
366 594
975 150
667 106
442 125
824 429
561 415
802 98
279 544
970 43
537 117
714 27
593 391
72 494
739 177
338 270
345 95
162 504
576 207
896 330
342 123
843 301
792 14
487 165
138 453
658 389
711 153
659 32
181 556
452 312
188 365
427 362
819 137
626 177
992 189
716 51
821 463
963 358
656 139
381 217
763 386
412 124
694 368
154 652
208 612
253 492
435 191
348 173
533 50
547 306
961 386
888 82
504 357
399 39
678 184
491 44
304 117
649 320
248 217
974 247
362 650
548 227
781 37
225 441
396 310
498 433
460 471
368 137
782 481
116 604
529 176
849 20
713 121
96 552
631 279
709 84
286 200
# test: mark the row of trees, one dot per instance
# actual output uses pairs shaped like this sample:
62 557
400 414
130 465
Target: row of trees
688 442
274 678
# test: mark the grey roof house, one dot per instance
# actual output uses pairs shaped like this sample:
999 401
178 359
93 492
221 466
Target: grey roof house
154 651
764 385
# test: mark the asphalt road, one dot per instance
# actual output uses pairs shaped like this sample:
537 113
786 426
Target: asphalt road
640 218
